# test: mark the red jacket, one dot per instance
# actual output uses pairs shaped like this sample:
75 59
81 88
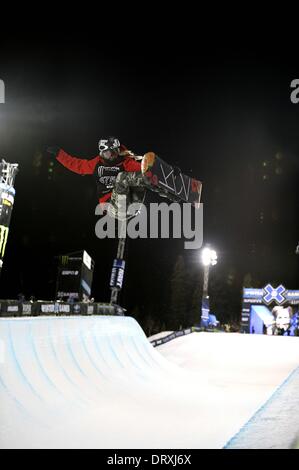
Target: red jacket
105 172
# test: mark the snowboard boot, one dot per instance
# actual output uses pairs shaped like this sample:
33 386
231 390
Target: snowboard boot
129 188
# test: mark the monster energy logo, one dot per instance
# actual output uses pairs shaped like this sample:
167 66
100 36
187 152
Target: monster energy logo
3 239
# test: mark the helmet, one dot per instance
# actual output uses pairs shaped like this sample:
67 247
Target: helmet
109 148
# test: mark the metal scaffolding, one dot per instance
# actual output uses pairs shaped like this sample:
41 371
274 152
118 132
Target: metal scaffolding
8 173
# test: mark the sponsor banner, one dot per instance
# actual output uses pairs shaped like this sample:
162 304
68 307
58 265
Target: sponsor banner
91 309
105 309
269 296
13 308
86 287
171 336
27 308
254 301
293 295
87 260
117 273
53 308
252 293
3 239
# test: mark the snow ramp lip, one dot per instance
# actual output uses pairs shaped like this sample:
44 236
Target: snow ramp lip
277 414
55 369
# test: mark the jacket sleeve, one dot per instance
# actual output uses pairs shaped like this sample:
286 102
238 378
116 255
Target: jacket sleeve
130 164
77 165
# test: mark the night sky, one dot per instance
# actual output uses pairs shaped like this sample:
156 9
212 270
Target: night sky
222 114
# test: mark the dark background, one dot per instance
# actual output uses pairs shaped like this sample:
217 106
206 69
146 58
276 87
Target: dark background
220 112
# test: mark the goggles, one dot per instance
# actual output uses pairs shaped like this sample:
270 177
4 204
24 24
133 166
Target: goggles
107 144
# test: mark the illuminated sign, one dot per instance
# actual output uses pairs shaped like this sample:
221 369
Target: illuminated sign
274 294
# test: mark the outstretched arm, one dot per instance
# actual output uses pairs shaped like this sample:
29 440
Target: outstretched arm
77 165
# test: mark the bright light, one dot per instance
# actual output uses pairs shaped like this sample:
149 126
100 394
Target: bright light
208 257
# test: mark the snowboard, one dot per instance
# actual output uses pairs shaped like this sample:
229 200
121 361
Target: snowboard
169 181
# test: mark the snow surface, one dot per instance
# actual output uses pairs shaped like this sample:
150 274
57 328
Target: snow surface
97 382
276 424
259 376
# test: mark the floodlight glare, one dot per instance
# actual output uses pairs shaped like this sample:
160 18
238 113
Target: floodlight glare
208 257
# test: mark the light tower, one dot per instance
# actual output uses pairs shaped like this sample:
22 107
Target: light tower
208 258
8 173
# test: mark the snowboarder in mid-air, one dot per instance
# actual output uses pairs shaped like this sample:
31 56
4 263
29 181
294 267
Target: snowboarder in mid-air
114 167
122 178
119 172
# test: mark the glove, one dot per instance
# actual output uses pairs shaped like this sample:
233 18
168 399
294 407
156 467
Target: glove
53 150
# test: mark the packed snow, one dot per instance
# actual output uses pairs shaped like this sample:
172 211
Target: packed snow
97 382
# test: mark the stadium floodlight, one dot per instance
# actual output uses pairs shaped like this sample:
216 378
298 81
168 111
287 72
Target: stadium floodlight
208 258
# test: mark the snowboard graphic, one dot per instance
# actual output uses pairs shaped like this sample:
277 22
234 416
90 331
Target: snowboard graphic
169 181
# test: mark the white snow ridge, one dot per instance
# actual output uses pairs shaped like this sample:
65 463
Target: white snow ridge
96 382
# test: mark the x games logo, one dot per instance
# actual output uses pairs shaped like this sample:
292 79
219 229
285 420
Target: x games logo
277 295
